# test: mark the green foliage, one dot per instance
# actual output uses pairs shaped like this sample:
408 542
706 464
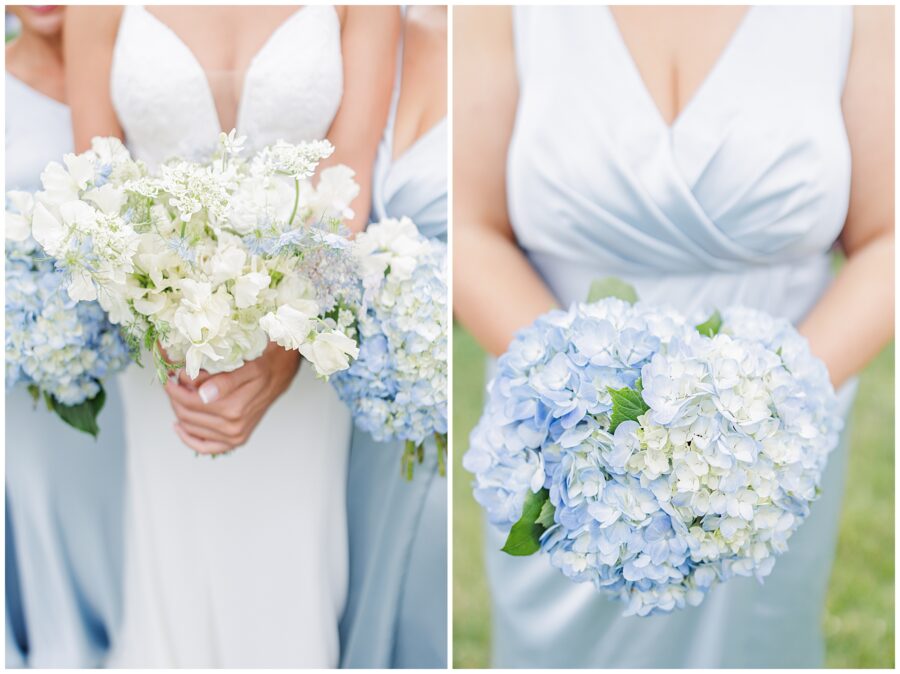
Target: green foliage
83 416
711 326
612 287
628 405
525 536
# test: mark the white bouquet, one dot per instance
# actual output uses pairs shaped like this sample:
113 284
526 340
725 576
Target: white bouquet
397 387
649 456
204 263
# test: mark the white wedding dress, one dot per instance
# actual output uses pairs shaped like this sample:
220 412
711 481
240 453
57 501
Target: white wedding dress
239 561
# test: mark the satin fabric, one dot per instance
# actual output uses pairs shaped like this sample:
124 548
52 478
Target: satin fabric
396 613
737 202
63 488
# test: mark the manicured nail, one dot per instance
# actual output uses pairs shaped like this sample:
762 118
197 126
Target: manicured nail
208 393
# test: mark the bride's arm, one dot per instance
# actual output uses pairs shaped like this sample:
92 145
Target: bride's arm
88 40
369 38
855 317
495 289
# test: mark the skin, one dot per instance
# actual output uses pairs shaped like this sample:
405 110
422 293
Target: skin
674 49
35 57
423 92
218 413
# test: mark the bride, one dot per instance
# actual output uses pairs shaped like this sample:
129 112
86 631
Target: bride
242 561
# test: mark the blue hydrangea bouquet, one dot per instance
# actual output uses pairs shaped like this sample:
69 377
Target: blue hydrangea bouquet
58 348
649 455
397 386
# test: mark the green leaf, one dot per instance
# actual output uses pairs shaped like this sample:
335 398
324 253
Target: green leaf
548 510
525 536
711 325
83 416
612 287
628 405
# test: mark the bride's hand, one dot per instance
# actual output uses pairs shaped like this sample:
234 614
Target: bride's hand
217 413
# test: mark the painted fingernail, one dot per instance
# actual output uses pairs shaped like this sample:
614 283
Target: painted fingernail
208 393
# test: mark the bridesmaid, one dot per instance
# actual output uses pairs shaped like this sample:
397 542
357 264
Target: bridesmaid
64 489
674 147
396 615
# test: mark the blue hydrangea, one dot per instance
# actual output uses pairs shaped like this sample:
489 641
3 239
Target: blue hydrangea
397 387
708 482
59 346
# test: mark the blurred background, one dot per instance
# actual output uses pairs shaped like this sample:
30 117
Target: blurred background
859 617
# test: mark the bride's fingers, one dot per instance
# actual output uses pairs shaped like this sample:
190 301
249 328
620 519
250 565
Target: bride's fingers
220 386
201 446
203 433
192 384
212 426
185 397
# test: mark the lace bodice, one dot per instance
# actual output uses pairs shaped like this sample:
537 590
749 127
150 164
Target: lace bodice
292 86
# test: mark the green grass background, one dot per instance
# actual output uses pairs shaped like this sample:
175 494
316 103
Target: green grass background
859 617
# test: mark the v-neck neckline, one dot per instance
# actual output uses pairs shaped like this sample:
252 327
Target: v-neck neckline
707 81
247 72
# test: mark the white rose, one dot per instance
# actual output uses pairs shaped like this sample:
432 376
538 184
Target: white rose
330 352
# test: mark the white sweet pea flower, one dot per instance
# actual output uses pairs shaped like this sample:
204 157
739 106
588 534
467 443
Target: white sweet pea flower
335 191
18 220
80 168
201 312
247 288
196 356
51 232
108 199
290 326
330 352
227 264
59 186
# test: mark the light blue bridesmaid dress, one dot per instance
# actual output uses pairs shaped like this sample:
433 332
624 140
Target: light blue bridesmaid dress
738 202
396 614
63 488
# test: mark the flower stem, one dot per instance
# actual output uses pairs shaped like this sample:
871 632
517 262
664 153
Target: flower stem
296 201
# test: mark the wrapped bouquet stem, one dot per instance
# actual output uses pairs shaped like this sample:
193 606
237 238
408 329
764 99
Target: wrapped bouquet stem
652 455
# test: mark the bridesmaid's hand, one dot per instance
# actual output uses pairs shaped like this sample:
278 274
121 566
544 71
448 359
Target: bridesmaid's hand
217 413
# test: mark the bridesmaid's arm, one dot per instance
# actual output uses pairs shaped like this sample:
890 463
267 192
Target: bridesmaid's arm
369 39
88 40
855 317
496 291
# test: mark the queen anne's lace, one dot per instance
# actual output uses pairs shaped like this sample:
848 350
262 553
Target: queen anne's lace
708 483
